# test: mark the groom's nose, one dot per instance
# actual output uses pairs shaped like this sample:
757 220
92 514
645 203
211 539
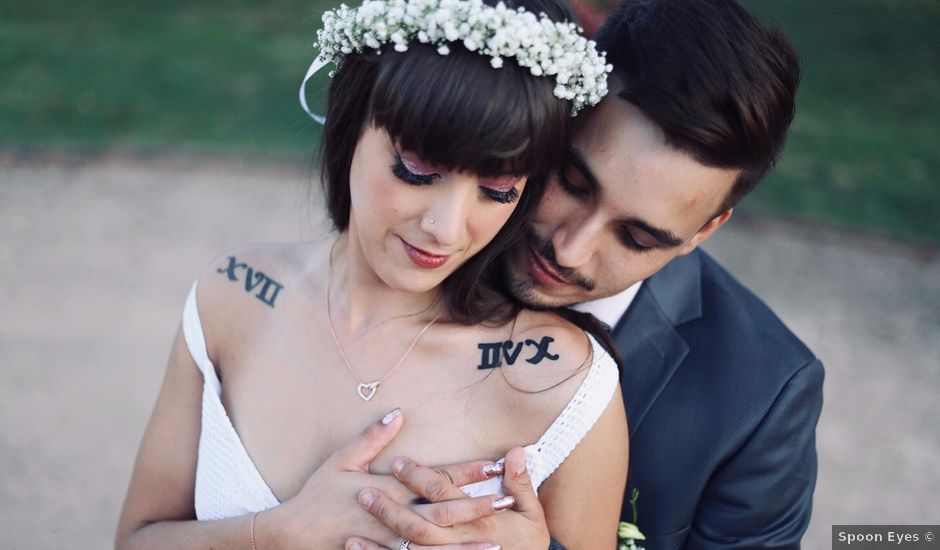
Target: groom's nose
575 241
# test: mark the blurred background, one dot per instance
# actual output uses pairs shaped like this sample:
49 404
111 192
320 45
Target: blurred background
139 140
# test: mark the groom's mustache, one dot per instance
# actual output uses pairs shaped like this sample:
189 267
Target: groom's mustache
546 250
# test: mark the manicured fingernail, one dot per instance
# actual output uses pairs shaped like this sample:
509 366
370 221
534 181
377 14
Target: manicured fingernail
494 469
355 546
503 503
398 465
521 468
366 498
391 416
493 547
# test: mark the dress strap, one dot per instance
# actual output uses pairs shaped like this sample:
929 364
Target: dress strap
578 416
196 340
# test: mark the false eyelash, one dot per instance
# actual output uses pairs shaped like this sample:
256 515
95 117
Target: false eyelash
407 176
502 196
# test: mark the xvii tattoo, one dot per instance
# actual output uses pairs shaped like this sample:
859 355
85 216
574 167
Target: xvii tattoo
253 279
494 353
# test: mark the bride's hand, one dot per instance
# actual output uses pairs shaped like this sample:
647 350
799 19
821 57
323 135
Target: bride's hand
325 512
454 521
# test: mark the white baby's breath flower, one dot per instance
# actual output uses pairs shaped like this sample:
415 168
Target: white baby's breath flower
543 46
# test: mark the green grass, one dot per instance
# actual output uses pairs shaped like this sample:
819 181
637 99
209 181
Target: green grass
205 73
220 75
864 150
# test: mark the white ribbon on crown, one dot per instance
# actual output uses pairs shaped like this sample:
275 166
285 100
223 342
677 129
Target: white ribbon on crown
317 64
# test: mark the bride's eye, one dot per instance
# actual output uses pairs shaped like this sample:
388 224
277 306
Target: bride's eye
501 189
501 196
410 171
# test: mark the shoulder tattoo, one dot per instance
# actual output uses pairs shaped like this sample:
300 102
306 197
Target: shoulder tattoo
269 288
494 353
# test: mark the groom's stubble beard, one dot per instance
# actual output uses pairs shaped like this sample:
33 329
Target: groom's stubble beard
521 289
519 284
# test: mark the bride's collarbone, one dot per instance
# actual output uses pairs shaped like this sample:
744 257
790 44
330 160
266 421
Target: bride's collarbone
294 402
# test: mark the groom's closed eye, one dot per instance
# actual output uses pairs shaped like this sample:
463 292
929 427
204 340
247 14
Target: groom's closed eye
644 236
577 177
566 180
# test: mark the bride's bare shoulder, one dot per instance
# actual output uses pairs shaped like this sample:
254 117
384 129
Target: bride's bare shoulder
546 351
252 283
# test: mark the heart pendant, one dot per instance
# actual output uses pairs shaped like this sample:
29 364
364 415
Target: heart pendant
366 391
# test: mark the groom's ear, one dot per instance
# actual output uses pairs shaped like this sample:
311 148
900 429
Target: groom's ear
706 231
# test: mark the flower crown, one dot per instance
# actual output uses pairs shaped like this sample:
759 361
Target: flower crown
543 46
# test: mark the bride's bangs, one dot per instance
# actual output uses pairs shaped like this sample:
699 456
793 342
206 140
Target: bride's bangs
458 112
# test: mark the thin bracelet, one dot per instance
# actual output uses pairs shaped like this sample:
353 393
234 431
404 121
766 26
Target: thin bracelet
252 530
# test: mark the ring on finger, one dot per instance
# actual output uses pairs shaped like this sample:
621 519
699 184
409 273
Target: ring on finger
405 544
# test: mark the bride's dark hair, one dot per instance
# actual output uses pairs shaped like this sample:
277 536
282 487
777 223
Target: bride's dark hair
457 112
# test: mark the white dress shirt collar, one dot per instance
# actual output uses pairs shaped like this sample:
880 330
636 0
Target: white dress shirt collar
609 310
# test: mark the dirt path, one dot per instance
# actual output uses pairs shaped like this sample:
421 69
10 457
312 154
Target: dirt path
96 257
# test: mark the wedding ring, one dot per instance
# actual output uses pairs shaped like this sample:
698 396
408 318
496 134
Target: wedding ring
405 544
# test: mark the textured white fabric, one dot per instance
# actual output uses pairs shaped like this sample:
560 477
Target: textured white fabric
574 422
228 483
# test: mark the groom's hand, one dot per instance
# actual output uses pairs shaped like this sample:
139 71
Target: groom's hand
453 521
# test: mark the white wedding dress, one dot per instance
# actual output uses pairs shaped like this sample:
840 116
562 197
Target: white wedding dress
228 484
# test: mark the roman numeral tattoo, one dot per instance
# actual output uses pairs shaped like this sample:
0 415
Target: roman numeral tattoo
253 279
494 353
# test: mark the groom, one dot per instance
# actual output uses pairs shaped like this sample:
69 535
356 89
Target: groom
722 400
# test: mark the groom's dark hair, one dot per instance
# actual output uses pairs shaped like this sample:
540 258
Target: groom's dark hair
720 85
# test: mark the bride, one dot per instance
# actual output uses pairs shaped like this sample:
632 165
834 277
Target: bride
443 119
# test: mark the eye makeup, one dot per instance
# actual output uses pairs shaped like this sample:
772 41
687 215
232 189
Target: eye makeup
501 196
501 189
409 171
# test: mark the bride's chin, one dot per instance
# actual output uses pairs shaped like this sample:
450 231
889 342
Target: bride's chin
409 282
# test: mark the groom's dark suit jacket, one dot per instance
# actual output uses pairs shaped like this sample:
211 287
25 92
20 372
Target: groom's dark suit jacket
722 402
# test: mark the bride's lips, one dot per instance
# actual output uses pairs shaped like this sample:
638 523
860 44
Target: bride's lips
422 258
542 273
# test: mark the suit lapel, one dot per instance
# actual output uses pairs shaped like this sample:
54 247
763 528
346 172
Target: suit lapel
651 347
